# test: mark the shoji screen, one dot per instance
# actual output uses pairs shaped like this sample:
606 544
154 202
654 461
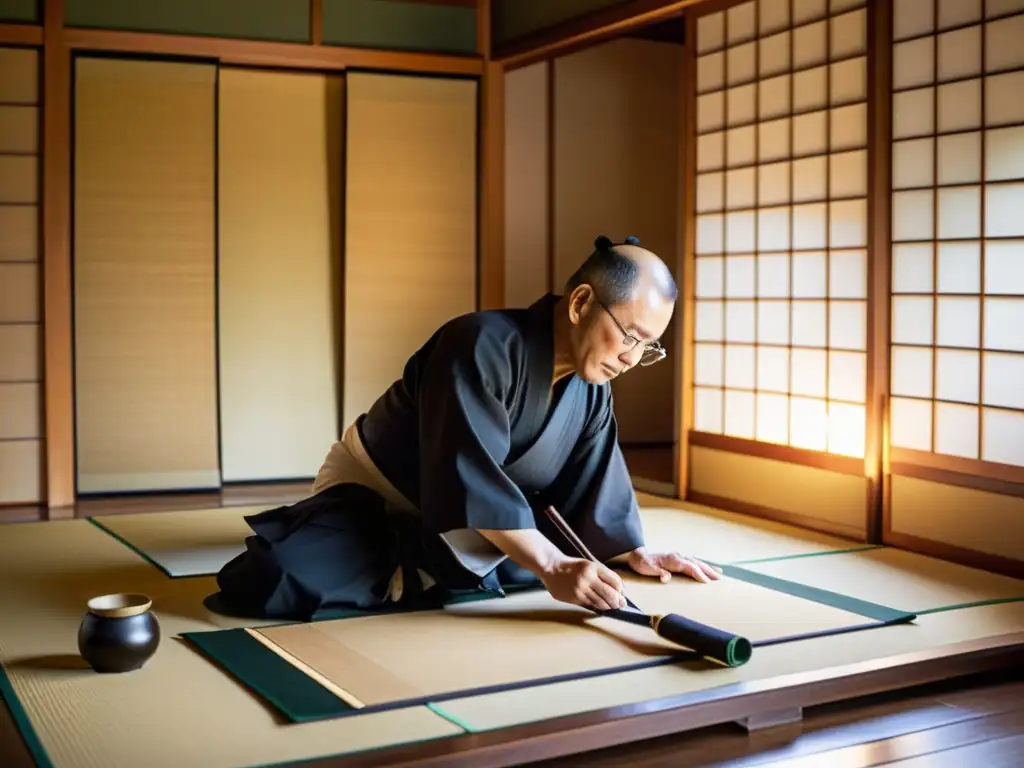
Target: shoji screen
780 329
279 218
527 136
21 424
144 229
410 221
957 355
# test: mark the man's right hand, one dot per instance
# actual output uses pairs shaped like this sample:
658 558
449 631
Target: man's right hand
584 583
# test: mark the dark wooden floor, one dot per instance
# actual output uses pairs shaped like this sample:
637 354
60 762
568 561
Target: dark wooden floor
975 722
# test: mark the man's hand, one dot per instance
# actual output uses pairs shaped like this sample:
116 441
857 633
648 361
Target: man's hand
664 564
582 582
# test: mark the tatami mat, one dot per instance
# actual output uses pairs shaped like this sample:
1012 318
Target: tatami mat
178 710
487 712
198 542
190 542
902 580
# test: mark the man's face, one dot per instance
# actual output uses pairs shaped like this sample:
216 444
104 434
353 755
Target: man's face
611 340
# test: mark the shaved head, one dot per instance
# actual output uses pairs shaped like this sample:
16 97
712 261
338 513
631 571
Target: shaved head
617 272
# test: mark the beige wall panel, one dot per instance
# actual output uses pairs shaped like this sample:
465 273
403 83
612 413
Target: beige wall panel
978 520
19 76
410 222
144 276
800 490
19 129
526 184
280 228
19 233
20 352
19 179
617 129
21 472
19 293
20 411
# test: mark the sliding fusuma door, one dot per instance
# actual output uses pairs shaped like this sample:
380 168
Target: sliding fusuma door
144 267
410 221
279 216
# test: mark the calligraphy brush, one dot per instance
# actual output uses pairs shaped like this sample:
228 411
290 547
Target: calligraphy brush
714 644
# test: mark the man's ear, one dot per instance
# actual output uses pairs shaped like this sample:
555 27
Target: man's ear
579 303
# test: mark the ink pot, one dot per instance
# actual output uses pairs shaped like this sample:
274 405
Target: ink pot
119 633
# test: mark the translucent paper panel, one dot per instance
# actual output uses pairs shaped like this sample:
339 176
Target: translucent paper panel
773 276
1002 44
773 184
849 127
910 424
774 97
959 268
1003 104
1004 319
848 174
741 104
710 111
848 224
741 63
773 320
1002 437
773 140
740 322
956 430
810 89
772 418
846 425
740 146
847 325
773 229
955 13
739 366
911 374
912 215
709 321
741 22
809 226
808 423
710 72
739 232
710 32
913 113
959 54
773 16
810 45
957 375
707 410
913 163
739 277
959 106
739 189
739 414
810 134
710 234
773 369
1003 206
711 151
959 157
848 275
774 54
710 192
710 283
1004 268
912 320
849 34
1004 154
959 214
958 321
912 18
913 63
912 268
847 376
809 372
708 365
1003 374
808 10
809 179
810 322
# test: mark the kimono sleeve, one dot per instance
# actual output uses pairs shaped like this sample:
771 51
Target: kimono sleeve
464 393
594 492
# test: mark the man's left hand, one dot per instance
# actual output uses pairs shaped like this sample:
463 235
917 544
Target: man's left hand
664 564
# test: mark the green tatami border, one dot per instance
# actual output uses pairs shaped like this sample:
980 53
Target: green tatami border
802 555
118 537
22 721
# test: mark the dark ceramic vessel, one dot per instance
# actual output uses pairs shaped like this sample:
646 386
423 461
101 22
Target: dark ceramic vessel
119 633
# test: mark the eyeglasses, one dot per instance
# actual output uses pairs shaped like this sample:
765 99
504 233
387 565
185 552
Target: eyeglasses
653 351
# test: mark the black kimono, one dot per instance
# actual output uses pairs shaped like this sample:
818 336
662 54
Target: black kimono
475 437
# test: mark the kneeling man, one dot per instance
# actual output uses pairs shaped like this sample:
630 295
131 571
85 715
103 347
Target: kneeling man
442 484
